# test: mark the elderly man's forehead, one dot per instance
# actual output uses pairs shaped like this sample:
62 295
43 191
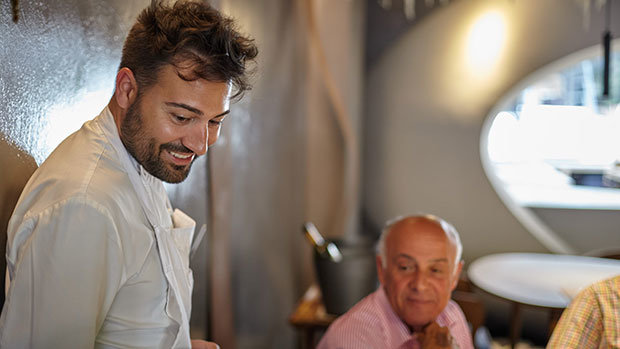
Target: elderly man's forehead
415 224
419 225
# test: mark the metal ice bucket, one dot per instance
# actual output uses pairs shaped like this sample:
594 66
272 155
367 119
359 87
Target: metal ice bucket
346 282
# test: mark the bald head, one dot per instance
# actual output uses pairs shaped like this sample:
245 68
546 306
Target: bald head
414 222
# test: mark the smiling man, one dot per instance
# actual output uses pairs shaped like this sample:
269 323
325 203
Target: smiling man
96 257
418 264
171 123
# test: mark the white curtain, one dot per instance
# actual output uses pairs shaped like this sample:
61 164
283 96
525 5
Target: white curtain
286 156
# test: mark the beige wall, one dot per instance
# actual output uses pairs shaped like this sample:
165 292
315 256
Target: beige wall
425 110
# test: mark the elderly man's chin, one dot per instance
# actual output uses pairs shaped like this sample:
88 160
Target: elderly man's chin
417 324
417 317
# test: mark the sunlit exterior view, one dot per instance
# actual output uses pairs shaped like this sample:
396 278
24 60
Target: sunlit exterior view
557 143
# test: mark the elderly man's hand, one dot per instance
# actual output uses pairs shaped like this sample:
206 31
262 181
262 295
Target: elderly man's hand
435 337
200 344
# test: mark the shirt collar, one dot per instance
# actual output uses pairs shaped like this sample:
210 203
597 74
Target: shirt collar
148 187
394 321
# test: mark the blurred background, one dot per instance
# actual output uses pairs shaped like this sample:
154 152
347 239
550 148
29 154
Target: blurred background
487 113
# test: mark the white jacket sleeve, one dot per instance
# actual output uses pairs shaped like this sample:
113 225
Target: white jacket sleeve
67 267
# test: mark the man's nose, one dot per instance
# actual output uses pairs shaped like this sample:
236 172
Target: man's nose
418 281
213 135
197 138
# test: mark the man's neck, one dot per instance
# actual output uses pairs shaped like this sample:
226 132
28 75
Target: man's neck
417 329
117 113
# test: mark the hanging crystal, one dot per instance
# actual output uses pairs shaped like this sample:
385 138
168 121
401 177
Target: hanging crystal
586 7
409 8
386 4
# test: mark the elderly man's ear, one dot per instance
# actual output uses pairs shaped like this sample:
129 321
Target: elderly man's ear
379 269
457 275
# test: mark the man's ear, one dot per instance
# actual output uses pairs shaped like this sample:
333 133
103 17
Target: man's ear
457 275
126 88
380 269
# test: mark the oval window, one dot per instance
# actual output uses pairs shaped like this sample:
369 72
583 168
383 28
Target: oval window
551 149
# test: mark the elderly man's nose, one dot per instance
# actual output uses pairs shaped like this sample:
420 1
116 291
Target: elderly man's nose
418 281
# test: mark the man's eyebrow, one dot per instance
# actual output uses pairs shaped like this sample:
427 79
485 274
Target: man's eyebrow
184 106
438 260
193 110
221 114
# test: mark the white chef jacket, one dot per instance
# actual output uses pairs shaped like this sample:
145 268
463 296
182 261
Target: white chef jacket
95 255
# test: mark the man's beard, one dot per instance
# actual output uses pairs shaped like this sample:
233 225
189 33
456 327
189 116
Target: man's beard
144 148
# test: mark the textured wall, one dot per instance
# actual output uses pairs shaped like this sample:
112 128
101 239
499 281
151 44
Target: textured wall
59 63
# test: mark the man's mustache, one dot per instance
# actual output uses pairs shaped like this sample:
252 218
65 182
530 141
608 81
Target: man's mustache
179 148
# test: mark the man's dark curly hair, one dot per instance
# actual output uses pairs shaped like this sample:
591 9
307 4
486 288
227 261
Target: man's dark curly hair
188 34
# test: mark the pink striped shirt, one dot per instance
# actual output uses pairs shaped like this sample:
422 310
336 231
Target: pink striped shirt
372 323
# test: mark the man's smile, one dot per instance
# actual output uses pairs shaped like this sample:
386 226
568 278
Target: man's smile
180 159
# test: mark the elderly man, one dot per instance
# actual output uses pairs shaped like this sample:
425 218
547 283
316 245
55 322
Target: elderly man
418 264
96 257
